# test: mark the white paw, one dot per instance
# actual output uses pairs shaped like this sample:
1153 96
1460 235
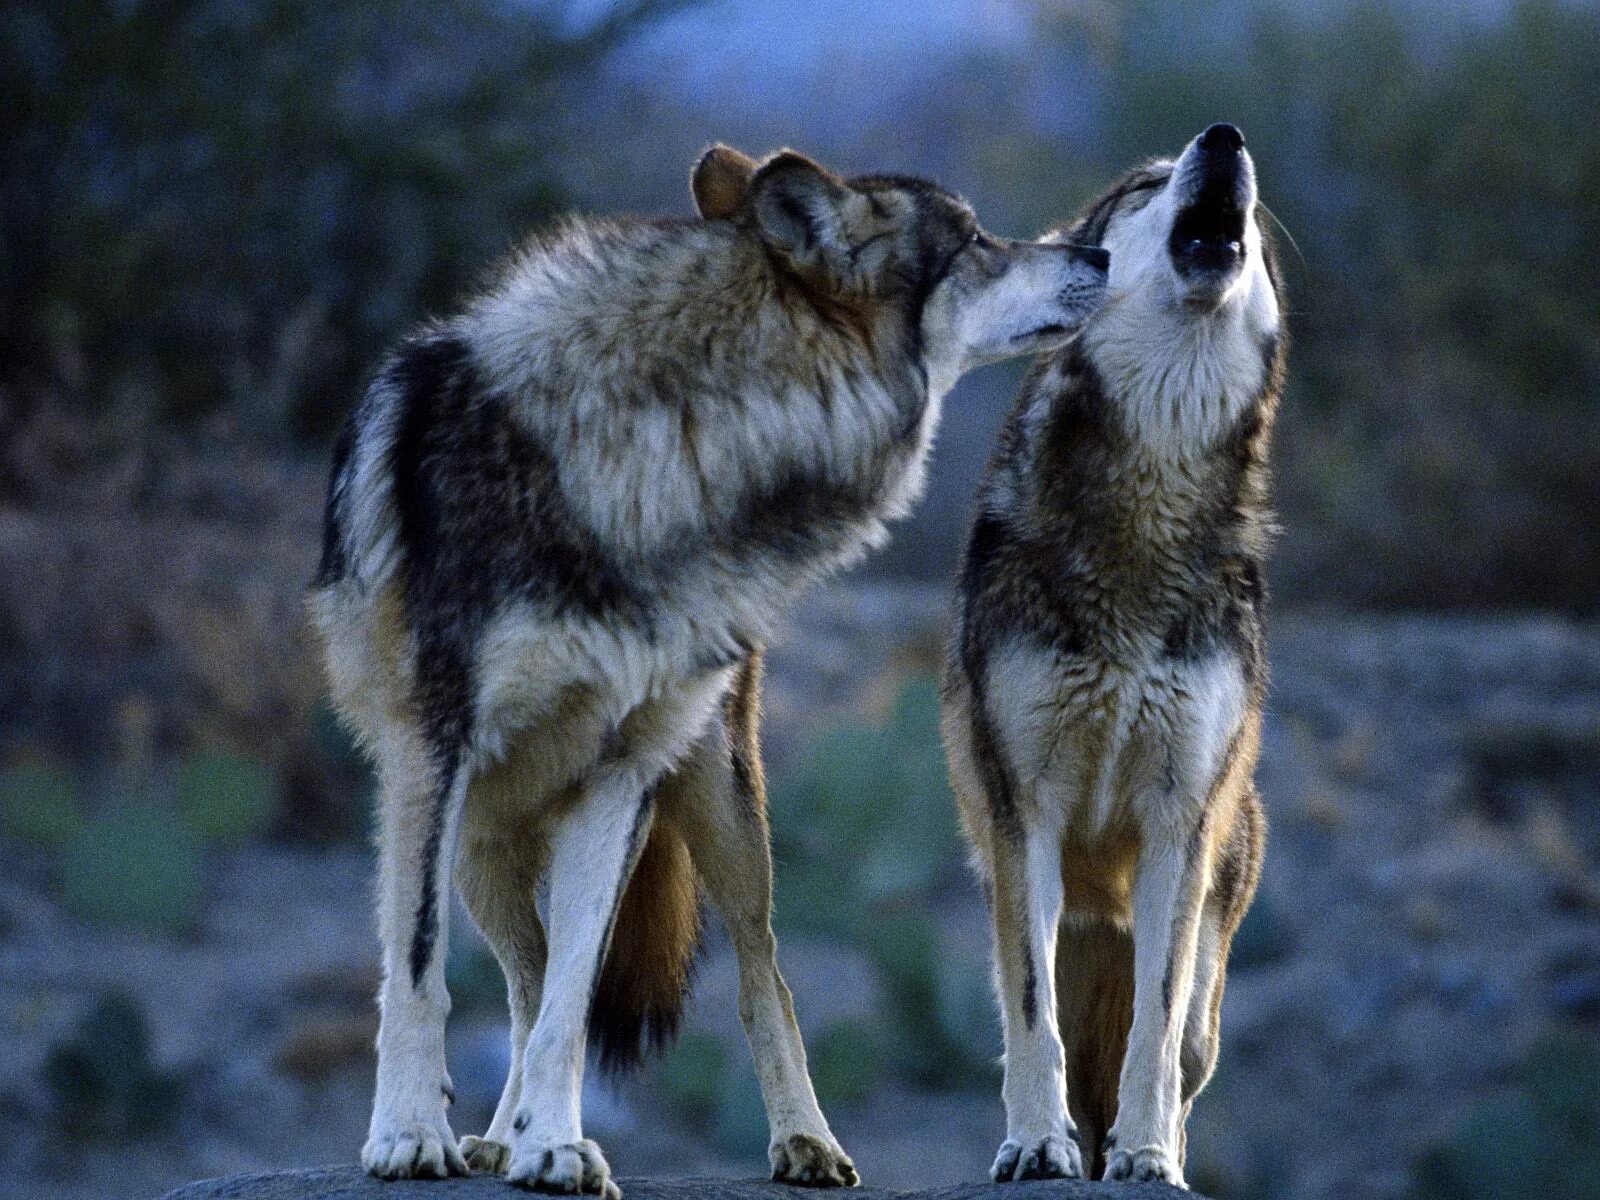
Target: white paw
481 1154
1049 1157
1148 1164
566 1167
811 1162
412 1150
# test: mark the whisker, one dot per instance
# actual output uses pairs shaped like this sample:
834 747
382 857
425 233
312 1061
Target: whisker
1286 233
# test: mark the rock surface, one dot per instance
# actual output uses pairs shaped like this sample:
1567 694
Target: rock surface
351 1183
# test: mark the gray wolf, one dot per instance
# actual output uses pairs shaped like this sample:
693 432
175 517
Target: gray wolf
559 525
1103 685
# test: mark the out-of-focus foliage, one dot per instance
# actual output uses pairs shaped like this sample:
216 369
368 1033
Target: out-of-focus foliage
225 797
939 1021
846 1062
864 833
134 866
868 811
219 206
1551 1116
39 804
102 1076
473 977
1439 178
691 1074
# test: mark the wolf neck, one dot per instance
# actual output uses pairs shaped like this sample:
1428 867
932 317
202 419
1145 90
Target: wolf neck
1177 381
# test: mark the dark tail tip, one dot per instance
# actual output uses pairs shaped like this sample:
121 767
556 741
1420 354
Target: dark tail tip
639 997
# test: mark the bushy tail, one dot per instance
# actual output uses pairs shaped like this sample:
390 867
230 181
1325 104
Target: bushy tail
1094 997
639 998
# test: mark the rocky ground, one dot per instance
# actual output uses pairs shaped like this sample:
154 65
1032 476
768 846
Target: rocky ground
1429 915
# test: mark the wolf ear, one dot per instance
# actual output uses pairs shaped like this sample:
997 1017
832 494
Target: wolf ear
806 212
720 181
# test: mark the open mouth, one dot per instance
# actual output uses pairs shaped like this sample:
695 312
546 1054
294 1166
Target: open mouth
1208 236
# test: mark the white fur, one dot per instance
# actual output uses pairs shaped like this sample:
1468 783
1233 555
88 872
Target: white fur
1181 375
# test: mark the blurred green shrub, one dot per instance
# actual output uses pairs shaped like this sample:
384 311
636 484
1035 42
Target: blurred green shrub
135 866
937 1036
1541 1138
102 1077
214 204
846 1059
691 1074
225 797
39 804
865 817
740 1127
864 831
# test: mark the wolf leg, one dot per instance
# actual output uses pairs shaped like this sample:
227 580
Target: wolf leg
419 815
1041 1141
1168 899
720 809
592 854
499 874
1232 889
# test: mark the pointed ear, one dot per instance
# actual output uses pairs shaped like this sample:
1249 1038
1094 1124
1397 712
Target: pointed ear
804 210
720 180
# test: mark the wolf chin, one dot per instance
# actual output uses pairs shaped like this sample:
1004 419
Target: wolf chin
560 526
1103 687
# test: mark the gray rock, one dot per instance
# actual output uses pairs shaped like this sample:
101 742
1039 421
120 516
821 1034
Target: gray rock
351 1183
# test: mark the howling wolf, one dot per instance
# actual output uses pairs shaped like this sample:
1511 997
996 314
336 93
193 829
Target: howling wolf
1104 683
558 527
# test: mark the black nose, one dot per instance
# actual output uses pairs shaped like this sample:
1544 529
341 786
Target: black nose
1222 137
1096 256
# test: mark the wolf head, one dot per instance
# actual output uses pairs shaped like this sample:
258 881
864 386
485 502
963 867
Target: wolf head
1190 336
875 239
1184 232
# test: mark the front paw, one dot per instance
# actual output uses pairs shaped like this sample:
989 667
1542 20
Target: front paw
484 1155
1049 1157
412 1150
562 1167
811 1161
1148 1164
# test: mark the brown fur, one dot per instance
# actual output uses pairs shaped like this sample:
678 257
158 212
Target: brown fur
638 999
720 180
1104 687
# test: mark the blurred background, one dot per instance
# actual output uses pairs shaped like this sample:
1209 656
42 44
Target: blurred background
214 214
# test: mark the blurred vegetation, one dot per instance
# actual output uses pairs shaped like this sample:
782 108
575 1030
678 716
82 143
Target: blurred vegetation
213 207
1549 1118
225 797
39 805
133 857
102 1076
865 837
134 866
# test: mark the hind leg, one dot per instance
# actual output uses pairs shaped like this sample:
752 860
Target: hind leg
1232 890
593 849
719 808
498 876
421 794
1041 1140
1198 1057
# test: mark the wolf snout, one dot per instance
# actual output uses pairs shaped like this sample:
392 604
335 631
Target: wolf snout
1221 138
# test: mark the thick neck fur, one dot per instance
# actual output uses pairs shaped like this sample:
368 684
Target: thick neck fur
678 376
1180 381
1140 539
